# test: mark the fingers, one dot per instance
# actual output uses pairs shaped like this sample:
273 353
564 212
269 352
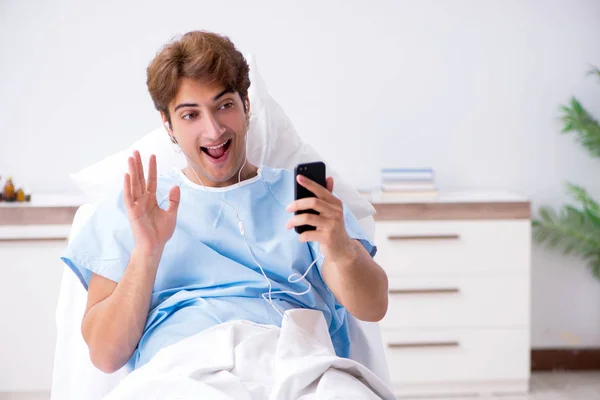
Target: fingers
127 192
312 203
330 183
305 219
174 198
140 170
136 190
151 186
318 190
310 236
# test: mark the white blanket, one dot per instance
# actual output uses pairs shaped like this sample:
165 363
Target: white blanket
246 361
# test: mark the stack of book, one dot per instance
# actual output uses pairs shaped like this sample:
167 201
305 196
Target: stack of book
407 182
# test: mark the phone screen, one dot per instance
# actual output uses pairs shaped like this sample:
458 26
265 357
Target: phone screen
314 171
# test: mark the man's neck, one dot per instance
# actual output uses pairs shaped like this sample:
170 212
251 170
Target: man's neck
249 171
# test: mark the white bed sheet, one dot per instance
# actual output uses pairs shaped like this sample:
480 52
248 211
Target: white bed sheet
247 361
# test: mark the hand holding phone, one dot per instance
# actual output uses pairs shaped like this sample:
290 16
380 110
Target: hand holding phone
314 171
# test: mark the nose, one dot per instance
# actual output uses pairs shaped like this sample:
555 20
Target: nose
213 130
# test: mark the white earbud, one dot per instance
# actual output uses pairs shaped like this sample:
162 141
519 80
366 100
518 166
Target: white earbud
167 125
241 226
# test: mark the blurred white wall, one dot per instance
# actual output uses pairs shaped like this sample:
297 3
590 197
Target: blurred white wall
471 88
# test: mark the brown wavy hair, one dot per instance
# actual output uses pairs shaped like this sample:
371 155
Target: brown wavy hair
201 55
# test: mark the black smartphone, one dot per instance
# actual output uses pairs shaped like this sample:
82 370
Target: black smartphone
314 171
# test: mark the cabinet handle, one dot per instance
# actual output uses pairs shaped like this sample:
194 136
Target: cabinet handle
406 345
425 291
441 236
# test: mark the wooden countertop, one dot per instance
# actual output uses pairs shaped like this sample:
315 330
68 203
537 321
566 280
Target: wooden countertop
452 205
60 209
429 211
44 209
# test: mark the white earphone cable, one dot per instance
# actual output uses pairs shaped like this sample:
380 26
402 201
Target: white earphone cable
243 233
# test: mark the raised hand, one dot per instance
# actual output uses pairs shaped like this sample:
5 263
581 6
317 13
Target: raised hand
152 226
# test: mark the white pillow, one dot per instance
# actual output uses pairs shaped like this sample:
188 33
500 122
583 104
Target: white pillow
272 140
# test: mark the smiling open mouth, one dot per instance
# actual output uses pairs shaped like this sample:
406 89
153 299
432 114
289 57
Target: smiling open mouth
219 151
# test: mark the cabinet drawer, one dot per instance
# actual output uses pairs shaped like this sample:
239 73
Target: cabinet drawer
457 355
458 302
453 247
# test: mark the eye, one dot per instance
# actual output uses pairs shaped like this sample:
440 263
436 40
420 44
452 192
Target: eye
189 116
227 105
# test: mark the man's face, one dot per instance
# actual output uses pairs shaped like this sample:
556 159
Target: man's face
210 126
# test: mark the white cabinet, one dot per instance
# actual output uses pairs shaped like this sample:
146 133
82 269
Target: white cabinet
30 274
458 320
32 239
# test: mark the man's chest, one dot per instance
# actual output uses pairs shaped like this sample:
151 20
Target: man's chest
219 242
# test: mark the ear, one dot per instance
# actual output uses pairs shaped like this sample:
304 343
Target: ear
165 122
247 107
247 104
168 127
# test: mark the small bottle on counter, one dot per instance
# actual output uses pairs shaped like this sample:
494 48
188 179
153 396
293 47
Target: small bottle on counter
9 191
20 196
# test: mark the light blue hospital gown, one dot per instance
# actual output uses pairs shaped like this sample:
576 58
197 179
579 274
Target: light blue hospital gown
206 275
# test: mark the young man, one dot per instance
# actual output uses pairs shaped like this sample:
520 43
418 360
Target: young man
173 255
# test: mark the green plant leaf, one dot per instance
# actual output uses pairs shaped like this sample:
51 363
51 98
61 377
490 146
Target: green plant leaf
571 231
577 120
584 198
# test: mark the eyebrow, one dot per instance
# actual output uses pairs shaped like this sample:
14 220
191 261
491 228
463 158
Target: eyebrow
178 106
223 93
217 97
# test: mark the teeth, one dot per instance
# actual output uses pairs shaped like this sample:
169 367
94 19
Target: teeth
216 147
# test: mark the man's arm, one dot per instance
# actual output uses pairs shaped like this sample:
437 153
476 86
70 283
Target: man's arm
116 314
357 282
